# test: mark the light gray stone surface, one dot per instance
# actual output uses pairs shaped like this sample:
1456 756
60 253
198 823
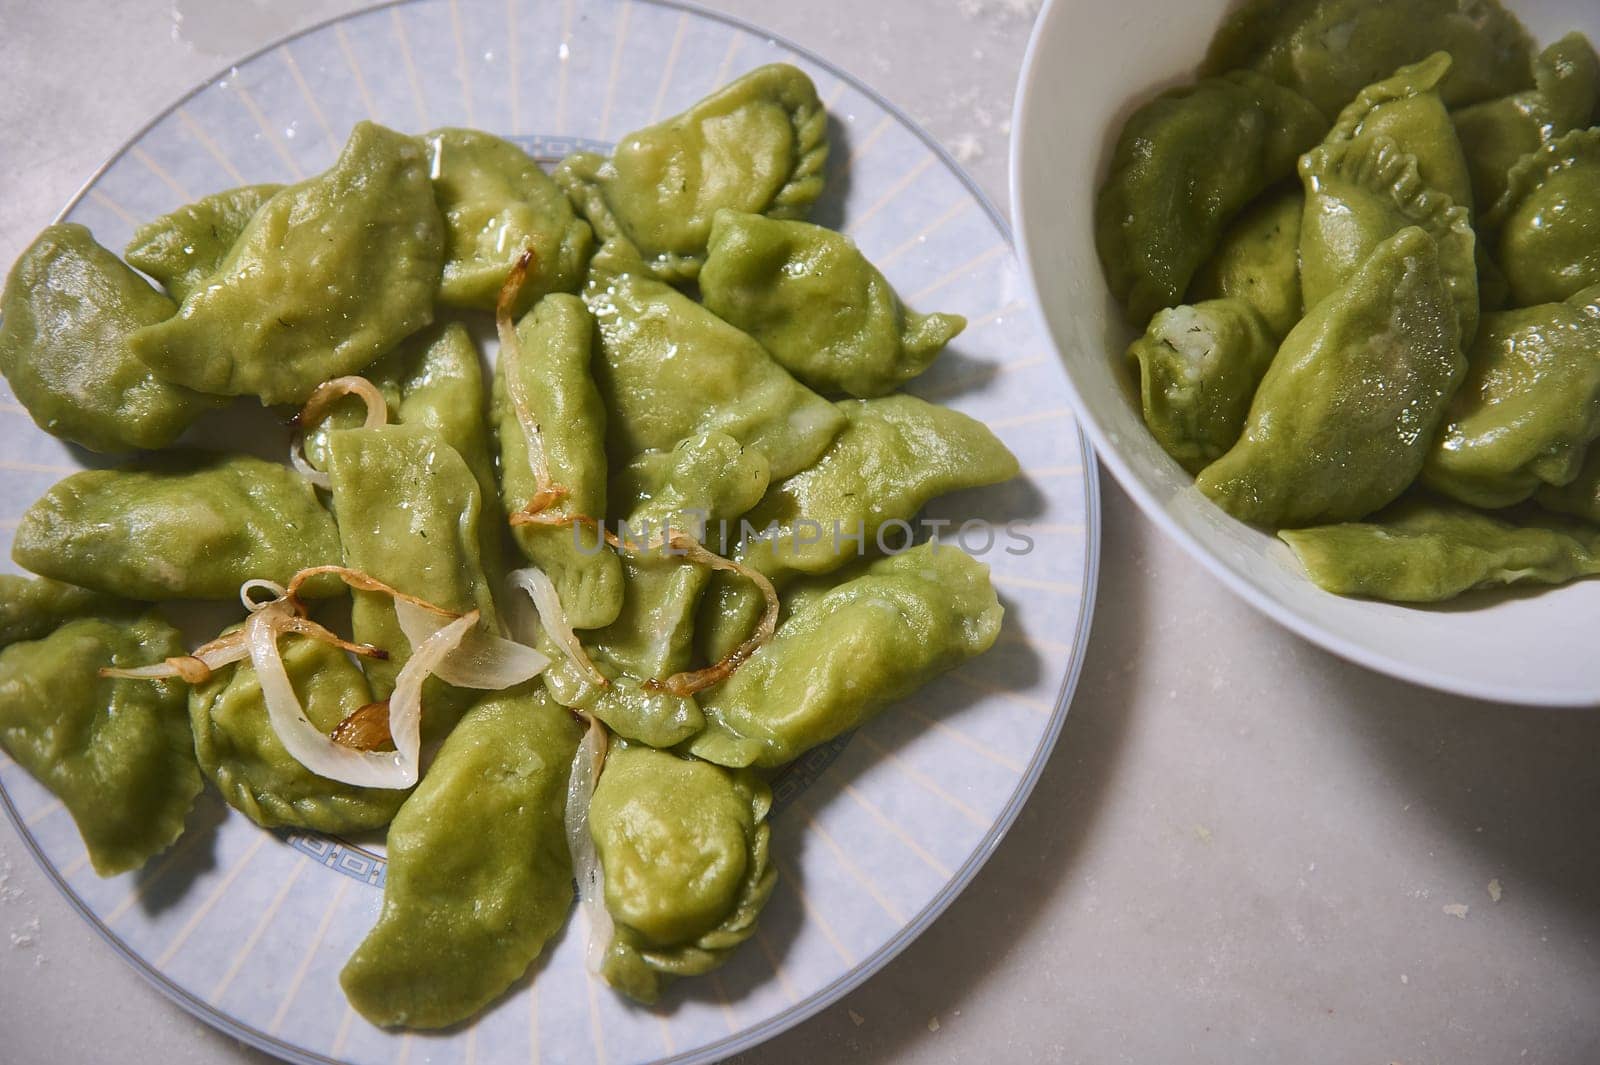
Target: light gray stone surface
1244 850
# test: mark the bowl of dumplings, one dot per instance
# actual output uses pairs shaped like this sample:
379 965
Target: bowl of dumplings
1325 277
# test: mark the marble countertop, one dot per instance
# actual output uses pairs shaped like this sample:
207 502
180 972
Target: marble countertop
1244 850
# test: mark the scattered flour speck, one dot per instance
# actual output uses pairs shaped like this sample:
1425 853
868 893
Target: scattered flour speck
966 149
25 935
9 892
1457 909
1495 891
933 1024
997 10
1404 979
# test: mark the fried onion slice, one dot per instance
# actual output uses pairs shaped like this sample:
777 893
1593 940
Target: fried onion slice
365 729
587 764
316 408
689 550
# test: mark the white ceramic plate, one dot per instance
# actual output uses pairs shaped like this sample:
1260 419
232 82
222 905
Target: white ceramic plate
1087 66
876 834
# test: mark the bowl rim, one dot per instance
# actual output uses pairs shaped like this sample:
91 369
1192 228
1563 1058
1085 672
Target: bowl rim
1107 453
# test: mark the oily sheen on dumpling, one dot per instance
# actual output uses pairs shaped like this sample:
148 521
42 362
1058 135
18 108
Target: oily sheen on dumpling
1346 412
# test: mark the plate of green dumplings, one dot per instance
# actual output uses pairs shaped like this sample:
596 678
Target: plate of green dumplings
1328 294
577 555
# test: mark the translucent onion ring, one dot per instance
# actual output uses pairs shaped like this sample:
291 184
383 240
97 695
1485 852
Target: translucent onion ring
307 744
587 870
553 618
316 408
197 666
483 660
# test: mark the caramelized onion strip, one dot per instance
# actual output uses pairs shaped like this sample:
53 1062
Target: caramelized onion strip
546 492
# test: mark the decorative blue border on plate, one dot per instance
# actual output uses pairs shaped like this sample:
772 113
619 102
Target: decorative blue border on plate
548 148
330 852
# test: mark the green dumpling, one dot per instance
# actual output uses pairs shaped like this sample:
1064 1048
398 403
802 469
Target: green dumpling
497 203
669 369
1328 49
1407 109
1581 496
1421 551
435 380
1494 291
241 754
1529 408
1198 369
443 390
1496 133
479 873
1258 262
555 375
182 249
409 511
650 716
446 392
194 525
1358 195
758 144
895 455
116 752
1548 221
817 305
31 608
67 315
1350 405
329 275
849 653
684 848
705 480
1167 202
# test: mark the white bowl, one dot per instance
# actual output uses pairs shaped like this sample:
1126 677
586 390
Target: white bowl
1087 66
